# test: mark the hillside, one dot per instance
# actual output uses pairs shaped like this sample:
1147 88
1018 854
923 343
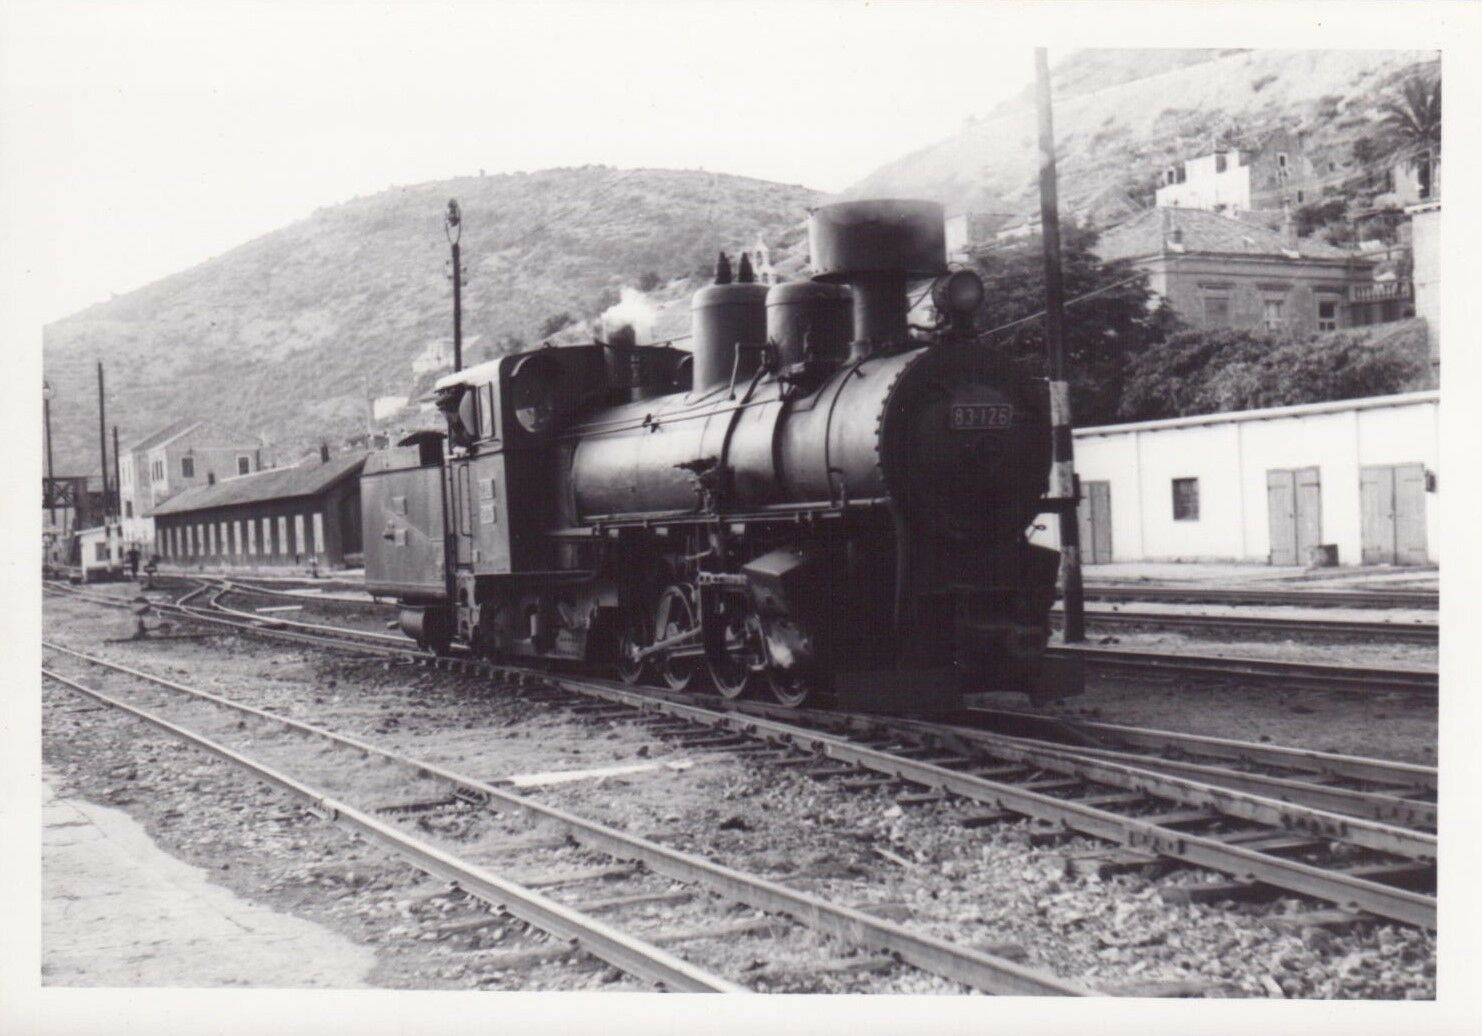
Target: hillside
284 336
1122 115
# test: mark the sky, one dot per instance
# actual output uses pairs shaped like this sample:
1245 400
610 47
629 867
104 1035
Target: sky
139 139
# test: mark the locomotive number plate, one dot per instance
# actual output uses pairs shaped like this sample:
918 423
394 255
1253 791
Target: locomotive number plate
973 417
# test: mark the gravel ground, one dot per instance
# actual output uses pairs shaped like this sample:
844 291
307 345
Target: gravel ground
987 886
1389 725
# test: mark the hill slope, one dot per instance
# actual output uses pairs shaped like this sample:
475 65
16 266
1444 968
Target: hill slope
285 335
1121 115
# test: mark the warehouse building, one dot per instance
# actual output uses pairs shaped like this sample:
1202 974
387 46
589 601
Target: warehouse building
1352 482
305 515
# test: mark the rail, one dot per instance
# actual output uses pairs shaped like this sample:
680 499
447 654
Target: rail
970 966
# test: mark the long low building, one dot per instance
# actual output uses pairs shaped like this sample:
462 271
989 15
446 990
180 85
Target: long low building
309 513
1352 482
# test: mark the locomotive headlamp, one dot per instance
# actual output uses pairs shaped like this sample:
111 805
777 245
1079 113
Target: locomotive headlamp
959 294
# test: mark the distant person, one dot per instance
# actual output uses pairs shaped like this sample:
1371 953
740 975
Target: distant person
132 557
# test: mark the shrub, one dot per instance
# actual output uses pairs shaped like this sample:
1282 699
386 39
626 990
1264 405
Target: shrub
1206 372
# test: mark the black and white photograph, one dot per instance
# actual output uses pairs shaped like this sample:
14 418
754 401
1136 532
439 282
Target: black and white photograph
927 513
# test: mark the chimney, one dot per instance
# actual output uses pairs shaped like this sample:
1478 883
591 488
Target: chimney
1288 227
1173 234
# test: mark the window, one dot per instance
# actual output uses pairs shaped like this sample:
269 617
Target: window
1299 197
128 508
1271 314
1327 315
157 470
187 467
100 552
1281 160
491 426
1219 163
1186 499
1217 310
244 465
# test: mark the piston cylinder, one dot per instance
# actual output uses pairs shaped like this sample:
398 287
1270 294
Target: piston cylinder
808 318
724 317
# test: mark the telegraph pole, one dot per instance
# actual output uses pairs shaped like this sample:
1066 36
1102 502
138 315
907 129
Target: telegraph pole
51 482
102 442
117 479
1063 484
453 227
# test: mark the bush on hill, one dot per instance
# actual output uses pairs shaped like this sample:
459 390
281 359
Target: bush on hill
1206 372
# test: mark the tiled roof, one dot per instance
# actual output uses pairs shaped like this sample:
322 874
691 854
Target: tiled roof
1207 232
165 434
308 479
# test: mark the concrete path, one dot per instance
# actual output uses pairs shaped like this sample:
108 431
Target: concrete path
118 911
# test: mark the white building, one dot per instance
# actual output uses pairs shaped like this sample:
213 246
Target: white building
1218 182
437 356
1265 486
383 407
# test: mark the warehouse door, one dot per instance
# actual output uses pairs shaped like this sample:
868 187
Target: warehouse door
1393 500
1294 511
1094 515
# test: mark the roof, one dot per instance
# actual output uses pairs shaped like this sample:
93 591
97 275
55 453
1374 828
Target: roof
166 434
1206 232
307 479
1267 414
469 375
175 430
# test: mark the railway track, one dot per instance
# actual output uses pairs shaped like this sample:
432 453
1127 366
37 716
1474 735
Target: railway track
1425 632
1354 859
1326 676
707 890
1323 675
1321 598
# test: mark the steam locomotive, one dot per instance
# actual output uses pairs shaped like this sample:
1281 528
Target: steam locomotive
819 502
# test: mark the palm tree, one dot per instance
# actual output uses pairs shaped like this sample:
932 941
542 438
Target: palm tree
1412 121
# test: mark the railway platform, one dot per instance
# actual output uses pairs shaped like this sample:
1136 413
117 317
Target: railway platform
119 911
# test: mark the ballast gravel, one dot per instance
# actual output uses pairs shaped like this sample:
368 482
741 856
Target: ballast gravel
993 887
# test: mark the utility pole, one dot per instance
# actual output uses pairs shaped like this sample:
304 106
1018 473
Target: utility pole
51 482
102 442
1063 485
453 227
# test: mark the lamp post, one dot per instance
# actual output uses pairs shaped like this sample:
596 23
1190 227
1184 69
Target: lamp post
51 485
453 228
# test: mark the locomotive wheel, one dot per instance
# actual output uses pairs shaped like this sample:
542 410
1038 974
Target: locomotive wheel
746 655
793 690
634 635
675 615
